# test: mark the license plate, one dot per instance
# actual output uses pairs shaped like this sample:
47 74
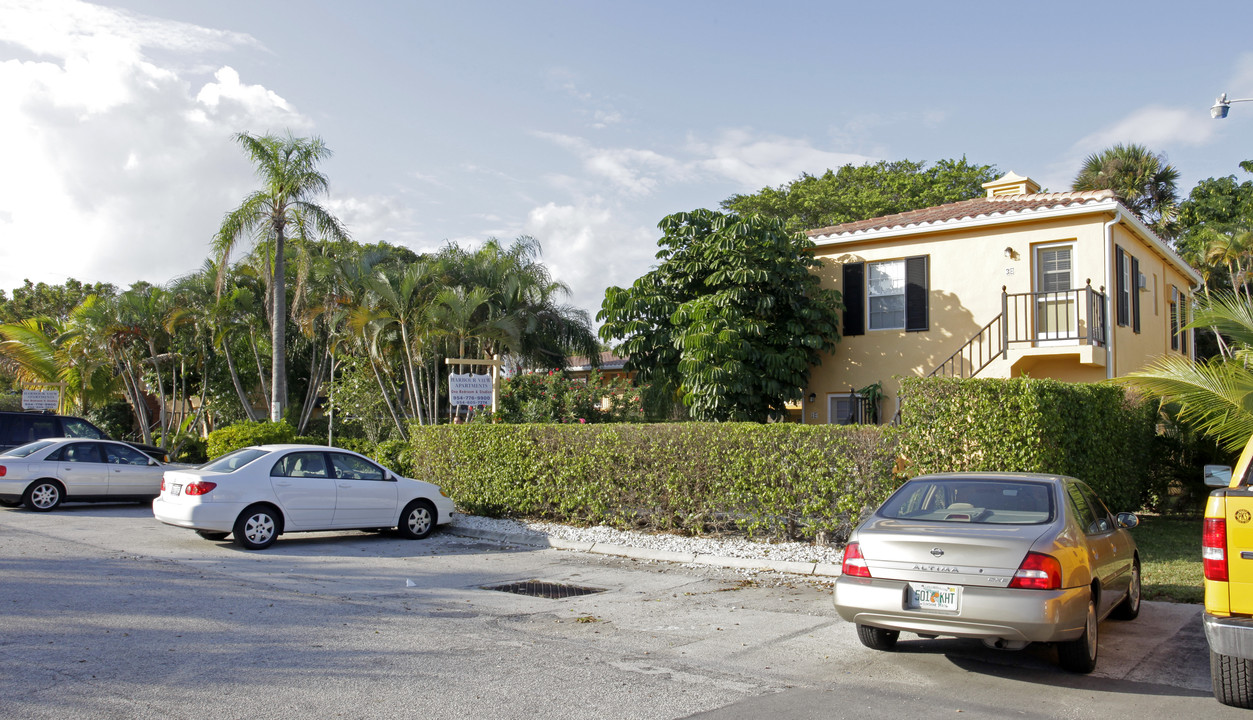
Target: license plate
945 598
176 489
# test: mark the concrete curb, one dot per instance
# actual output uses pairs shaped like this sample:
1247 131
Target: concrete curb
543 541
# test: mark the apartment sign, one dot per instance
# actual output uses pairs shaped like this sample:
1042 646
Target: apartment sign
469 389
40 399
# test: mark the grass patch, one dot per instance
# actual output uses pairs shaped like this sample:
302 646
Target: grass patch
1170 558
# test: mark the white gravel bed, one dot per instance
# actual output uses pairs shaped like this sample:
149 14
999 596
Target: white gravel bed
732 547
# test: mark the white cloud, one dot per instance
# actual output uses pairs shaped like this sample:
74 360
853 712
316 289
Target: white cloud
756 162
637 172
589 247
115 168
1155 127
375 219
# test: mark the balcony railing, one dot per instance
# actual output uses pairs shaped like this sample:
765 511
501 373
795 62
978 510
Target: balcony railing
1039 319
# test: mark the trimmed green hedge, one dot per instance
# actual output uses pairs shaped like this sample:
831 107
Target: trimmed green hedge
243 434
781 481
1094 432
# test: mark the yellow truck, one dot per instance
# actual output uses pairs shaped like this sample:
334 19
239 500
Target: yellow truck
1227 555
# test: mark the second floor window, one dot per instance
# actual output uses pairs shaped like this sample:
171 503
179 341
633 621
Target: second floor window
887 295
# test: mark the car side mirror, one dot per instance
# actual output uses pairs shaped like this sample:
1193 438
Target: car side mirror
1127 520
1217 475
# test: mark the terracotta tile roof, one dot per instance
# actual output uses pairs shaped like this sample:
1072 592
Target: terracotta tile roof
968 209
608 361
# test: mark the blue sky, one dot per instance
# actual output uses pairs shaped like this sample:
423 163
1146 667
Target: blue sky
580 123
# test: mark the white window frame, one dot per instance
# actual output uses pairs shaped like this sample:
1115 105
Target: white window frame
871 295
1037 283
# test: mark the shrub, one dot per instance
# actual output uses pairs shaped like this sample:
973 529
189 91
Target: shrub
1095 432
782 481
239 435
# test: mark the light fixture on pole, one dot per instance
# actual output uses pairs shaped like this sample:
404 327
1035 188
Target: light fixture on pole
1222 105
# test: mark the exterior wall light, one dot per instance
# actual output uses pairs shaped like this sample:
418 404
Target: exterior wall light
813 397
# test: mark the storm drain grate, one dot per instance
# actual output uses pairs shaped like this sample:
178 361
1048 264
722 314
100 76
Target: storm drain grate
539 588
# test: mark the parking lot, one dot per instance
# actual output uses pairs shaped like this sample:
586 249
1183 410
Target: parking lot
107 613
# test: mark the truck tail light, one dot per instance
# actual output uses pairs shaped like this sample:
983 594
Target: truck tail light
854 564
1214 549
200 487
1038 572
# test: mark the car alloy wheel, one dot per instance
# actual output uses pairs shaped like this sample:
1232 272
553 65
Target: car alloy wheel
43 496
418 520
256 528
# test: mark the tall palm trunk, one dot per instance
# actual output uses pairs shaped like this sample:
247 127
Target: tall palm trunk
278 332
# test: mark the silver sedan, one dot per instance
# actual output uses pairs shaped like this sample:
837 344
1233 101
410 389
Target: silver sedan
43 474
1006 558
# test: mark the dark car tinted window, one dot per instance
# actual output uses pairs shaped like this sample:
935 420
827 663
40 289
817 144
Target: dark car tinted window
21 428
1004 502
81 453
1091 513
116 454
75 427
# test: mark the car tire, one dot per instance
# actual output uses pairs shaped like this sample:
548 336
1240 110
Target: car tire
257 527
877 638
417 521
1233 679
43 495
212 535
1129 608
1079 655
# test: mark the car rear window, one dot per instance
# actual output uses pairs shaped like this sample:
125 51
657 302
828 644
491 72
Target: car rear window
233 461
1003 502
28 448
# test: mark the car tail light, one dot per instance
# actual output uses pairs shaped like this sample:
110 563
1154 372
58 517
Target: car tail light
1214 549
162 483
1038 572
854 564
200 487
2 471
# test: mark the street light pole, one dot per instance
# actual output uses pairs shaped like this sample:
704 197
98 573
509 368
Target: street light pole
1222 105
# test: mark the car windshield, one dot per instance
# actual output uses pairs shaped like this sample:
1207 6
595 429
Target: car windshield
231 462
969 500
27 449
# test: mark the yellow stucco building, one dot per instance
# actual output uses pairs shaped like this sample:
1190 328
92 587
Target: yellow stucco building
1071 286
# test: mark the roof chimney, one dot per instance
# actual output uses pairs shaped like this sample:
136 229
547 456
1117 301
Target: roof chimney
1011 184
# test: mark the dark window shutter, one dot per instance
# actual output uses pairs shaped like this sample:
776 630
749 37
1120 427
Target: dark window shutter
917 316
1135 295
854 299
1120 287
1183 320
1174 318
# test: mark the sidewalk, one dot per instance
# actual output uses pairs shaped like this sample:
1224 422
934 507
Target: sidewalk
638 553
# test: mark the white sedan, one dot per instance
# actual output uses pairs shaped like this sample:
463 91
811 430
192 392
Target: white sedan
43 474
258 493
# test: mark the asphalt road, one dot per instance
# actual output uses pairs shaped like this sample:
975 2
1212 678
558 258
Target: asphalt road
105 613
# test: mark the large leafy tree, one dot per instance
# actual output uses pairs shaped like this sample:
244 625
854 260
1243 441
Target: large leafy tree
858 192
285 207
1142 179
731 319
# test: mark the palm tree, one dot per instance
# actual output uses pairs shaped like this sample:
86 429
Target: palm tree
284 207
1215 396
1144 181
